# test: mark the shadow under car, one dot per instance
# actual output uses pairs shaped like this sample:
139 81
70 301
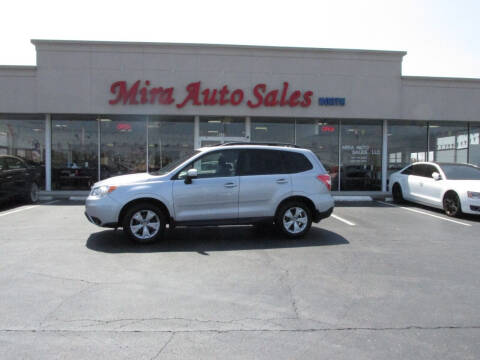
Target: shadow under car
207 239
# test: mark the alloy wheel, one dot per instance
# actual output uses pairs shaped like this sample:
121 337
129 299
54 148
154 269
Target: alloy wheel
295 219
451 205
144 224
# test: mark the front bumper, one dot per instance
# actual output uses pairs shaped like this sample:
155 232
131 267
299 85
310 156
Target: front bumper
102 211
471 206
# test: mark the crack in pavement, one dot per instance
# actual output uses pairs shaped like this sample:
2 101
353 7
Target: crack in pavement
71 279
284 280
75 294
164 346
403 328
206 321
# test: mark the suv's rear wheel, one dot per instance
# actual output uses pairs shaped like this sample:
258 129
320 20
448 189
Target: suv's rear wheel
293 219
144 223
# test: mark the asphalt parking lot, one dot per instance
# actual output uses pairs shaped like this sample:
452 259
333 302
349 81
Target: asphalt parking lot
376 281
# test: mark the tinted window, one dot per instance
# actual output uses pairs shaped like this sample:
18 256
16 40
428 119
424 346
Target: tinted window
166 169
261 162
13 163
408 171
429 170
214 164
418 170
295 162
461 172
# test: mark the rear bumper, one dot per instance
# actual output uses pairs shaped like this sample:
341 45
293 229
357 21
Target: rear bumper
321 215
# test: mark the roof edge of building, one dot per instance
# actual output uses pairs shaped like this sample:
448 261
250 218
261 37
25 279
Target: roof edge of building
440 79
18 67
90 43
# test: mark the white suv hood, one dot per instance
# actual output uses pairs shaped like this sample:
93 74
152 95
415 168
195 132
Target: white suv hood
127 179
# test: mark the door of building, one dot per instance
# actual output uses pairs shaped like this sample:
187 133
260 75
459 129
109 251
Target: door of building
219 130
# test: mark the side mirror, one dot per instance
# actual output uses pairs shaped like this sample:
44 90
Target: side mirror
191 174
436 176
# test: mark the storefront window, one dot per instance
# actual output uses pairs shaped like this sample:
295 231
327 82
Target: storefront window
361 157
169 138
280 130
74 152
320 136
448 142
222 126
24 136
474 149
407 143
123 145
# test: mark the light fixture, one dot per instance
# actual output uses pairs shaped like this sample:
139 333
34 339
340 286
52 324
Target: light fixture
215 121
264 128
105 119
37 130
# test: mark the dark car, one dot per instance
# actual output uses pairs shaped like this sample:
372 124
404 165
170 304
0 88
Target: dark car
18 179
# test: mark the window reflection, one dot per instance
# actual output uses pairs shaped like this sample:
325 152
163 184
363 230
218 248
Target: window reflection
24 136
74 152
169 138
123 145
407 143
222 126
474 147
361 155
320 136
280 130
448 142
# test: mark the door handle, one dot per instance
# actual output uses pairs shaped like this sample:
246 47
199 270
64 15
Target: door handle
282 181
230 185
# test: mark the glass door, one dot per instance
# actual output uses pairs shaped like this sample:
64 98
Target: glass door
219 130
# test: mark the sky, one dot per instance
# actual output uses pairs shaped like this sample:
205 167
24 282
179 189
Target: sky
441 37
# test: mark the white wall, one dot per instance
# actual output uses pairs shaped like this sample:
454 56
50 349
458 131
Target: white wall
75 77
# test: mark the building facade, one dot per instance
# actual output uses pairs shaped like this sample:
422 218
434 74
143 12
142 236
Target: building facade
92 110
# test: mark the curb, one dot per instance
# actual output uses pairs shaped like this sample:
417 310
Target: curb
352 198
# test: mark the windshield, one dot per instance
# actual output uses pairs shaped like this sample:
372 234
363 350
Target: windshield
461 172
166 169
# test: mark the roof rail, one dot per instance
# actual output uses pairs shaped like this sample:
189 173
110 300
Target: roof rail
260 143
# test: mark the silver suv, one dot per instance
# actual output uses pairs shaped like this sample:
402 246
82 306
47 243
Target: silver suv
229 184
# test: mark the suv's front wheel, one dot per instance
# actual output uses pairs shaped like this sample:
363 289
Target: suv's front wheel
144 223
293 219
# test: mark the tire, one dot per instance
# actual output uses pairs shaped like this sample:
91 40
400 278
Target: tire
397 194
32 195
451 204
144 223
293 219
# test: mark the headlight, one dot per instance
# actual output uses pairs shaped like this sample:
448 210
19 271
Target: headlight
473 195
102 190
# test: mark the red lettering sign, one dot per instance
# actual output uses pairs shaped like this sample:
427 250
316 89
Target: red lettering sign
140 93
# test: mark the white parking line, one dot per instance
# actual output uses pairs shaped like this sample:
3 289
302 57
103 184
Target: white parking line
425 213
343 220
27 208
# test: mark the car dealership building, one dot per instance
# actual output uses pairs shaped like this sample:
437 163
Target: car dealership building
92 110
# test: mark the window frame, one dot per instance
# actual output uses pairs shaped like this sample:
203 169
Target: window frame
176 176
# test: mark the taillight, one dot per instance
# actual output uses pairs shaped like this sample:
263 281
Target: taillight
326 179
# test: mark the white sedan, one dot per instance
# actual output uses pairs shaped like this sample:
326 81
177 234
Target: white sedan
455 188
